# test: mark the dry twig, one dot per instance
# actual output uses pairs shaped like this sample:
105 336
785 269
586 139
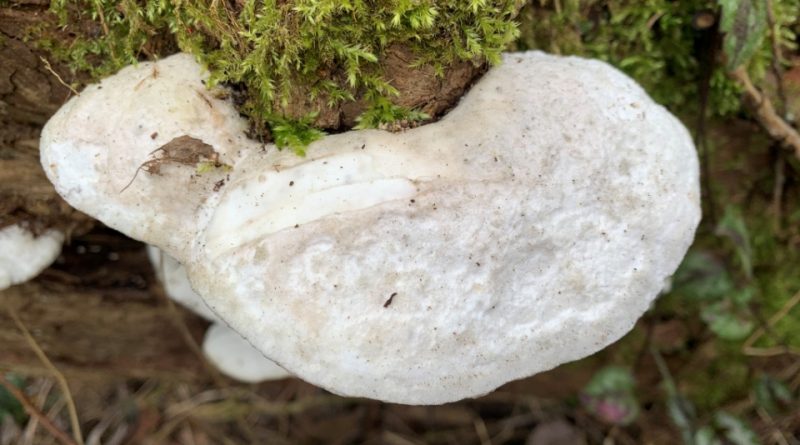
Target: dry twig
765 113
102 16
62 381
747 347
34 412
45 385
57 76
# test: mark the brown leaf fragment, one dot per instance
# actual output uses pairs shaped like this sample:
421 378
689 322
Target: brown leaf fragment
183 150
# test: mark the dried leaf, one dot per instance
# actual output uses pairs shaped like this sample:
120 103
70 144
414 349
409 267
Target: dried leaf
733 227
184 150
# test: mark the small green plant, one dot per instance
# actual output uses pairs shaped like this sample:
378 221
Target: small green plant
723 428
610 396
295 134
382 112
724 297
9 406
726 429
744 23
772 395
657 42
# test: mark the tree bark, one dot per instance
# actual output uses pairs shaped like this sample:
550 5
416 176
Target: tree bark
98 310
29 95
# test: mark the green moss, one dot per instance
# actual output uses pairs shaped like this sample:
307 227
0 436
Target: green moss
702 384
654 41
276 48
382 113
294 134
776 276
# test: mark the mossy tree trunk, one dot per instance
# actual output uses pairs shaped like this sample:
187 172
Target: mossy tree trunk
98 311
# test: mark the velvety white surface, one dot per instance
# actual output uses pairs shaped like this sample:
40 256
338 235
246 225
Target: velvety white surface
530 227
23 255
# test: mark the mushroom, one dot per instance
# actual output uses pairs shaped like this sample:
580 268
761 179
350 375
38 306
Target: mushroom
237 358
529 227
176 284
223 347
23 255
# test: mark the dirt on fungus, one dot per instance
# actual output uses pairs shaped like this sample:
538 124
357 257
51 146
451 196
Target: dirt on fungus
182 150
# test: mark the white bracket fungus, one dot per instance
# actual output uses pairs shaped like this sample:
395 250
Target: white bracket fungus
237 358
223 347
529 227
24 255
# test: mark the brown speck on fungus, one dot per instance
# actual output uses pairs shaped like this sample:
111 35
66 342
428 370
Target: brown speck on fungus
389 301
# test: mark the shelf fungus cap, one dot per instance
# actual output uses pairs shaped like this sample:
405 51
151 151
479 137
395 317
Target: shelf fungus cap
129 149
223 347
172 276
529 227
236 358
23 255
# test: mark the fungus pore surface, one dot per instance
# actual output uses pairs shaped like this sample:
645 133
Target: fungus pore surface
529 227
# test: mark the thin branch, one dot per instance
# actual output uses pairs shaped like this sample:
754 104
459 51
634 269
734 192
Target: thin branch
481 431
765 113
62 381
45 385
777 192
34 412
102 16
776 434
57 76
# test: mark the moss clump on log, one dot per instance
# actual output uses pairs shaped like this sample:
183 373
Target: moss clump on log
299 60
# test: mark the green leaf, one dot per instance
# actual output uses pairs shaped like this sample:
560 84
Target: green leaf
744 23
610 379
771 393
294 134
703 277
682 413
610 396
706 436
724 323
10 406
680 409
736 431
743 296
732 226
